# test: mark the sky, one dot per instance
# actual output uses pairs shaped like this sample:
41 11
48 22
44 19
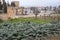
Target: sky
37 3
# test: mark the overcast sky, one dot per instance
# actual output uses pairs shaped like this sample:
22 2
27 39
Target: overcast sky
37 2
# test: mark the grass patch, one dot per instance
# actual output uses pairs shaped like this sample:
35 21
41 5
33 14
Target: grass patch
1 21
35 20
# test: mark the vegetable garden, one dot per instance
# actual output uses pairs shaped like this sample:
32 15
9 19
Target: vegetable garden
29 31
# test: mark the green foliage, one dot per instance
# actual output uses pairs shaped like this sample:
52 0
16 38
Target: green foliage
28 31
35 20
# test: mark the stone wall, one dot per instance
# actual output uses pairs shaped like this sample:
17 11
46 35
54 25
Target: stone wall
11 13
3 16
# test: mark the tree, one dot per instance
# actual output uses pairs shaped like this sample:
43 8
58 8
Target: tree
13 4
50 8
45 9
35 11
4 7
0 7
58 10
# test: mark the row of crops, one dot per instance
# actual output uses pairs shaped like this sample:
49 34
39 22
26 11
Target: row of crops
28 31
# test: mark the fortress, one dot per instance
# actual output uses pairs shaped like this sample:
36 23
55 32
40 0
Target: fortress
9 10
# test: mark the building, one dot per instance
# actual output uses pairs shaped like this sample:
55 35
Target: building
15 3
20 11
27 11
9 11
